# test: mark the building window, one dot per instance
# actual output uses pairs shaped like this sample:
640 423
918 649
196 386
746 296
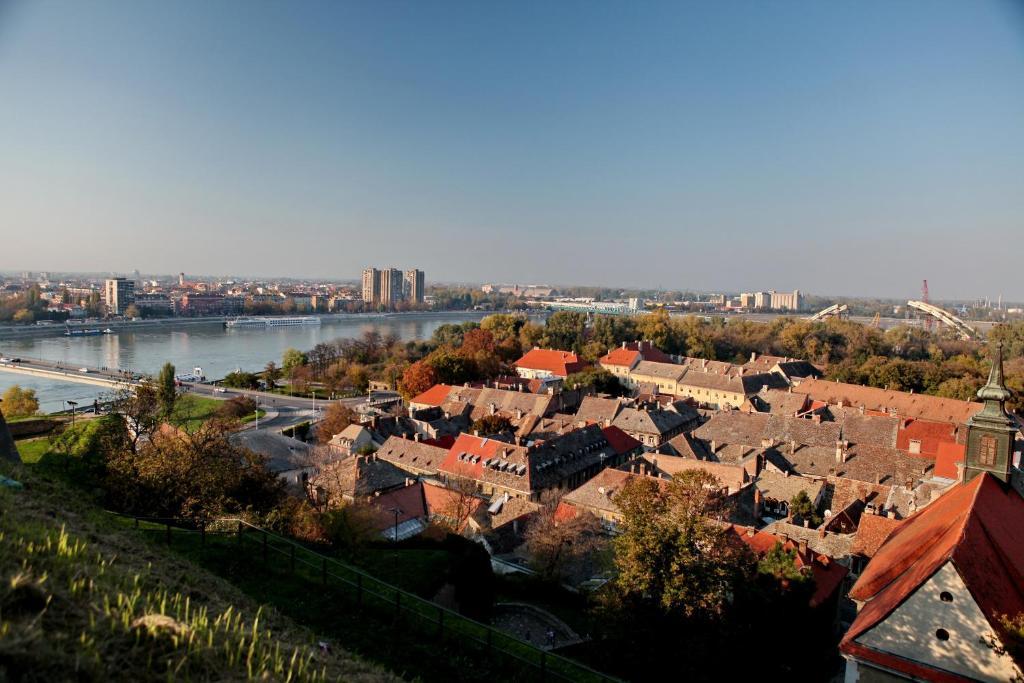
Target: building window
987 451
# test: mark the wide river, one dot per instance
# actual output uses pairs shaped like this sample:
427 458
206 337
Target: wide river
215 349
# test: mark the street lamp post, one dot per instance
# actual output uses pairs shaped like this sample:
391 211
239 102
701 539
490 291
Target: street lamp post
314 402
257 412
72 404
397 512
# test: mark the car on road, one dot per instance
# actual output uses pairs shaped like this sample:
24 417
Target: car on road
84 370
221 390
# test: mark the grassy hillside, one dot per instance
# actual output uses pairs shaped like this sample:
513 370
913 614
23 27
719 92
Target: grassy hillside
82 597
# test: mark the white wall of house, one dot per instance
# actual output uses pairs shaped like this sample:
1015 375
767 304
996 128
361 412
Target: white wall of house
911 631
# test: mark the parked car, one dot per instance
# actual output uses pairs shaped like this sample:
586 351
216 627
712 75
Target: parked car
84 370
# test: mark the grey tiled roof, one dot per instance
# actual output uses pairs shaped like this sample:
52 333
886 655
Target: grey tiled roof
597 409
412 455
658 422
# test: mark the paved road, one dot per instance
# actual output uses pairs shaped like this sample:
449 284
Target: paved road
266 399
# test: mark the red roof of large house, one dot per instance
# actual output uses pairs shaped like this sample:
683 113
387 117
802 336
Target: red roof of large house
872 532
620 440
452 504
929 434
976 526
408 500
561 363
904 404
627 354
949 455
434 396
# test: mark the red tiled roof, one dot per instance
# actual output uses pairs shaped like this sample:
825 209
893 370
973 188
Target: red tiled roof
434 396
620 356
561 363
976 527
409 500
442 502
564 512
947 458
872 532
905 404
625 355
472 445
620 440
929 433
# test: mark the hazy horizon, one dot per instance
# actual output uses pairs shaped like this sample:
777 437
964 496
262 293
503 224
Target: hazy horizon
842 149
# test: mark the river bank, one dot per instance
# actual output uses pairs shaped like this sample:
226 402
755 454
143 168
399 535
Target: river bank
10 331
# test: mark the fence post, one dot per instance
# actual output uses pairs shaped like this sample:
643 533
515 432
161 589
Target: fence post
136 522
292 546
264 547
168 533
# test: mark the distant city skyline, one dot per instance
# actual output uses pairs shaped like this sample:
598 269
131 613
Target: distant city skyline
845 150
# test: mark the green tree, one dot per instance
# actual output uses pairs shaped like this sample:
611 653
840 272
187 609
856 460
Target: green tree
596 379
669 553
451 367
168 390
492 424
503 326
802 507
19 402
657 327
241 380
781 564
611 330
565 330
292 359
271 373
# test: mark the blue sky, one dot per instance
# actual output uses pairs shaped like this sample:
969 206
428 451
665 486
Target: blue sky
838 147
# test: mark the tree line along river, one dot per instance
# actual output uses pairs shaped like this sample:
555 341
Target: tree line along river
215 349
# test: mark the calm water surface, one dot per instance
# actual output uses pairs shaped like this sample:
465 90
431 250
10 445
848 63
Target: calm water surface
215 349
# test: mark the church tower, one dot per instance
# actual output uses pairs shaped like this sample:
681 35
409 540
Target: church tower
990 432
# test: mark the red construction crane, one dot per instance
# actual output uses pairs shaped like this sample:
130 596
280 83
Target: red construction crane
924 298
